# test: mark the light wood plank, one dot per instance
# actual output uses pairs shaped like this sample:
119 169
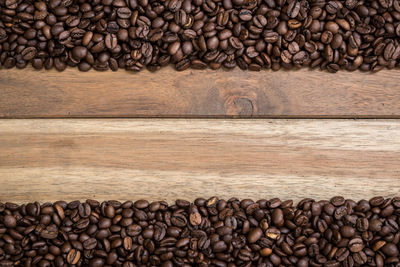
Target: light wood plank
50 159
199 93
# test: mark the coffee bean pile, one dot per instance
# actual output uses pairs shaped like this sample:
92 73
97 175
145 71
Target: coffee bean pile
250 34
208 232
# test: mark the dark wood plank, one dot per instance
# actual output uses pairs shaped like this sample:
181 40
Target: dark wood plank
167 93
54 159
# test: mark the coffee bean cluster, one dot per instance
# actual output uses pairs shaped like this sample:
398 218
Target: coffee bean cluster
207 232
250 34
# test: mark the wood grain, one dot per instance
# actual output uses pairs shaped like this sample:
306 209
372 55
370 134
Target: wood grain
50 159
202 93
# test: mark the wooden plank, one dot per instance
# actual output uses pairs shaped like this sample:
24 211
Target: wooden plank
199 93
48 160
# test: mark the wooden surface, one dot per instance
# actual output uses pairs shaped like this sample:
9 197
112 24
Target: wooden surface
48 159
167 93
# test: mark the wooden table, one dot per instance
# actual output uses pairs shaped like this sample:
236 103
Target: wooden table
75 135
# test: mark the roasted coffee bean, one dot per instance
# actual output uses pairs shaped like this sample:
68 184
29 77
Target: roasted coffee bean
300 57
73 256
356 244
293 24
245 15
187 48
79 52
347 231
235 43
271 37
390 250
293 8
174 47
254 235
124 12
336 34
50 232
195 217
9 221
90 243
338 232
11 4
212 43
342 254
286 57
111 41
28 53
112 27
332 7
360 258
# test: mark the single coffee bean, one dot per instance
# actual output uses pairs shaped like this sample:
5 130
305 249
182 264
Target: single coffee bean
29 53
182 65
390 250
235 43
271 37
356 244
286 57
224 34
332 7
50 232
251 52
11 4
342 254
326 37
155 35
212 43
389 50
79 52
293 24
293 48
245 15
360 258
90 243
378 245
124 12
300 57
195 217
37 63
174 47
277 217
111 41
347 231
375 225
10 221
72 21
96 262
73 256
254 235
128 243
265 252
112 27
293 8
187 48
84 66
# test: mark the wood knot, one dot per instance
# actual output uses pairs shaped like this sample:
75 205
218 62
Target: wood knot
244 106
239 106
